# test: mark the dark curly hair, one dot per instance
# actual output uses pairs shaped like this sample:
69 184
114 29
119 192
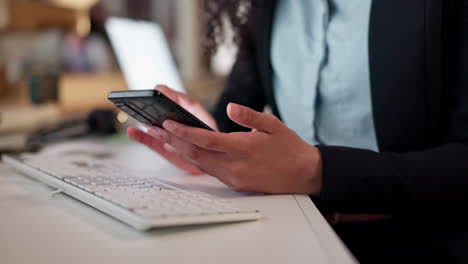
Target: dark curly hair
216 14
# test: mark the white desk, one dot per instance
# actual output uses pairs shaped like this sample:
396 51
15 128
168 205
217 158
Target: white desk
38 228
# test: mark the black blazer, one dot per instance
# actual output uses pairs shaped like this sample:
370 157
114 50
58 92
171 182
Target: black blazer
419 84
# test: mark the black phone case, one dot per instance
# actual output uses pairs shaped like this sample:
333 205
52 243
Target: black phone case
153 108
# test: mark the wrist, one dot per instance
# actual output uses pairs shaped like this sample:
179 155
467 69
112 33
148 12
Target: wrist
312 172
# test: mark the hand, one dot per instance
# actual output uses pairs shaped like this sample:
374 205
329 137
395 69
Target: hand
270 159
151 139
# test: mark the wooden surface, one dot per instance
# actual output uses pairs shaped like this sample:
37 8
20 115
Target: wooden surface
78 92
3 83
28 15
72 4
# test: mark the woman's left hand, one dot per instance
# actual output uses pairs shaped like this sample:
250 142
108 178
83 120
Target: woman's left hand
269 159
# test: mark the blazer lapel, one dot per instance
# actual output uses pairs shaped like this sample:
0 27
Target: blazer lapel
397 57
268 8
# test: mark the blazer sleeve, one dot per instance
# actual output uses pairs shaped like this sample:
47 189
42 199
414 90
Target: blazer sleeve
361 181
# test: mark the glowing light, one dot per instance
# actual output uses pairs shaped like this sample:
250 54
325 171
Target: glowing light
122 117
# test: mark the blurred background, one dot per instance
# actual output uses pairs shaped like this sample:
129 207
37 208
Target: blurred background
57 65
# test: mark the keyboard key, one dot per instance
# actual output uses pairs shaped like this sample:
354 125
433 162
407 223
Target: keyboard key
145 197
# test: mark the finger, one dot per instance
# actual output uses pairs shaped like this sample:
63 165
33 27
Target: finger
206 160
173 95
203 138
216 166
180 98
158 146
202 158
192 106
185 149
214 169
247 117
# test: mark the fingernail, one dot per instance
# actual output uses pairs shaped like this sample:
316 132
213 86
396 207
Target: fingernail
169 125
169 148
233 106
233 109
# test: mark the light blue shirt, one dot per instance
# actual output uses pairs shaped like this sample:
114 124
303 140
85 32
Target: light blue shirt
321 71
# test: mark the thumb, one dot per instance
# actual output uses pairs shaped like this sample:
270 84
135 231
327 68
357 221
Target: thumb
250 118
171 94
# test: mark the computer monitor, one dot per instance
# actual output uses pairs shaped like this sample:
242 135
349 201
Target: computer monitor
143 53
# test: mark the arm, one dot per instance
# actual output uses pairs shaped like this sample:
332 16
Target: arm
359 181
273 159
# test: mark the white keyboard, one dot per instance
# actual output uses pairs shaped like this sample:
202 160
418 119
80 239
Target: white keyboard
142 202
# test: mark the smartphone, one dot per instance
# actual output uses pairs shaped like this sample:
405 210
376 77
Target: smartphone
152 108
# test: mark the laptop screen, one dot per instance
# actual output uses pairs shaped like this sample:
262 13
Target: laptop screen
143 53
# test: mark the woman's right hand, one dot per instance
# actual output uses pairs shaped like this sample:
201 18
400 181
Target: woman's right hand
151 138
